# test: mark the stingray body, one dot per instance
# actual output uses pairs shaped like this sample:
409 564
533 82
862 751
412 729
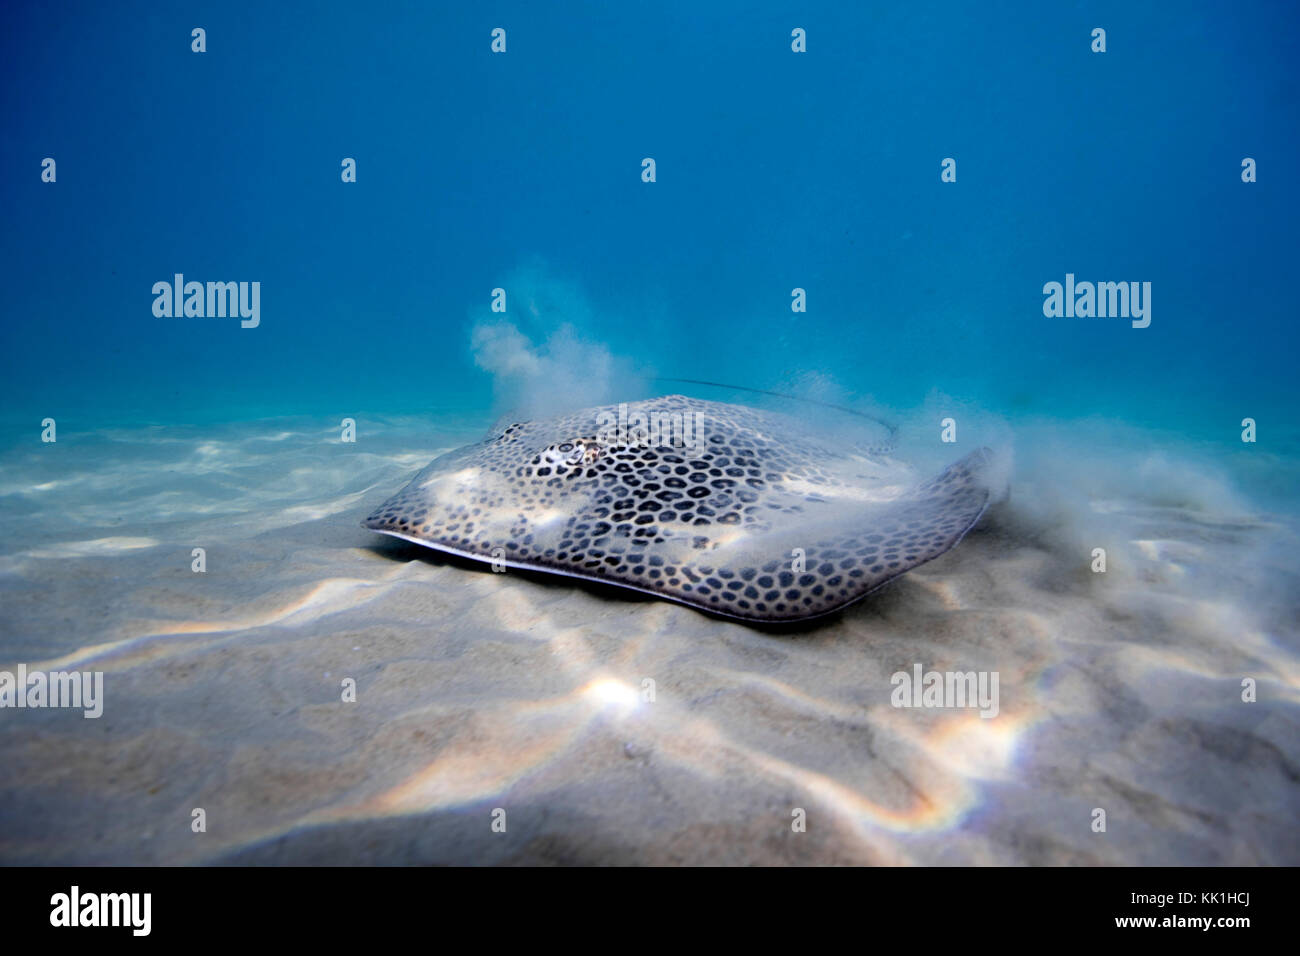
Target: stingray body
730 509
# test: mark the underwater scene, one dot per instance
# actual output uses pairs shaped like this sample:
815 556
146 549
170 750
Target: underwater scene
649 434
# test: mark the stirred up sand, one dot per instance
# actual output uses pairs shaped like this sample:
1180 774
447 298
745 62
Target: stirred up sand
478 692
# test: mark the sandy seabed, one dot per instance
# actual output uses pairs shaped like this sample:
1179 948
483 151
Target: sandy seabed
478 691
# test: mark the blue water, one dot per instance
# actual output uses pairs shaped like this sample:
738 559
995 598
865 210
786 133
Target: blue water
775 170
184 438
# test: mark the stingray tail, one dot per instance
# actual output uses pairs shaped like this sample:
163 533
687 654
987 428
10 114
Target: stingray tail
888 426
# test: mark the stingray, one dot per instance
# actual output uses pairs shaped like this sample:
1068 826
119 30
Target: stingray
730 509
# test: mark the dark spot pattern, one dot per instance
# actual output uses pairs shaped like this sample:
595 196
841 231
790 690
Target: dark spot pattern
711 524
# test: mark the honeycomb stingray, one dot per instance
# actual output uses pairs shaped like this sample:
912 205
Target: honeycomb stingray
726 508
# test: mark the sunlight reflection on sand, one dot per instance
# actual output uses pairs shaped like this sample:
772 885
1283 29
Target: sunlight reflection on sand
477 690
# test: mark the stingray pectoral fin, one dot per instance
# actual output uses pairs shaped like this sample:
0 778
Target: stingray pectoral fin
884 541
934 518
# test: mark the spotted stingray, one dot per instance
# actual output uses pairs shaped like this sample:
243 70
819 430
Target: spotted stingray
730 509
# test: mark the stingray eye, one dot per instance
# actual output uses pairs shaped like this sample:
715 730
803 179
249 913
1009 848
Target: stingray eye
566 447
554 455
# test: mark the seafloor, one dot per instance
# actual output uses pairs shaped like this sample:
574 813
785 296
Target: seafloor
478 691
